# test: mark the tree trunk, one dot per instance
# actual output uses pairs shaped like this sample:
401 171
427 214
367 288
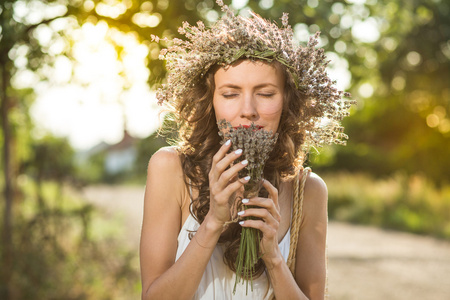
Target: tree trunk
7 251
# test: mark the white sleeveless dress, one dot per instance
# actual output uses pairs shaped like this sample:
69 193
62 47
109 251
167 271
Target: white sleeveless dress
218 280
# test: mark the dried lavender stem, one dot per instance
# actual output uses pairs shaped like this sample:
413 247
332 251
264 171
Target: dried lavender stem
256 144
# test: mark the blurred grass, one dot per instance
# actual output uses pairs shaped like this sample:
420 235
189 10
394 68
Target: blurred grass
400 202
68 249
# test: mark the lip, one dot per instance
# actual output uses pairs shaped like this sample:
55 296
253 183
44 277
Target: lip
248 126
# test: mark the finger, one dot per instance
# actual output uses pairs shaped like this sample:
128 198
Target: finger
231 173
268 232
220 154
273 192
263 214
225 162
225 194
219 166
266 203
236 185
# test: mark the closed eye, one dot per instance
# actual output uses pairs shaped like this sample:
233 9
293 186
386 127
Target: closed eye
266 95
229 96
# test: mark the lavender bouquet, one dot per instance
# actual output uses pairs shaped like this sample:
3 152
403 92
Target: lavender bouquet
256 144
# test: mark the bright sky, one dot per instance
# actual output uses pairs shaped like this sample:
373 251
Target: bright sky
103 94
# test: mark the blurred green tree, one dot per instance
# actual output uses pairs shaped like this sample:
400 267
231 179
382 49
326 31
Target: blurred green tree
398 54
148 146
51 159
30 42
401 80
20 48
392 55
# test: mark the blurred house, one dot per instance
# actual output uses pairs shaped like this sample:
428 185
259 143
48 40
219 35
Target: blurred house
120 157
115 159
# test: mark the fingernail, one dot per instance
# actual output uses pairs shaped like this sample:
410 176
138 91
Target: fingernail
241 223
244 162
239 151
246 178
227 143
245 201
241 213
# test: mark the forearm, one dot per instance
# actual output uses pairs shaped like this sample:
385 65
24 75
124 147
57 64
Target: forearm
282 281
173 283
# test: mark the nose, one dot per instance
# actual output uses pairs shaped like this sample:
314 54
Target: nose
248 108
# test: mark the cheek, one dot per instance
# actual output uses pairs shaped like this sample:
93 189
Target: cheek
271 112
271 109
225 110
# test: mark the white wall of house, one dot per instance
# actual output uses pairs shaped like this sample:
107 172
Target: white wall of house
120 160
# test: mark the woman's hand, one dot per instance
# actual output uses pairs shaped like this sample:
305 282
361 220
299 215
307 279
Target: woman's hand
223 184
268 220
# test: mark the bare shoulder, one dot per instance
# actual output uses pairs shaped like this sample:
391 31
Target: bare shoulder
166 159
315 199
165 174
315 187
312 239
164 194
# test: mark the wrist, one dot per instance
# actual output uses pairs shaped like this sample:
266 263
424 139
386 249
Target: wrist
212 225
208 234
273 262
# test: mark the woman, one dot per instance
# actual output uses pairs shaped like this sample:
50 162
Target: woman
244 71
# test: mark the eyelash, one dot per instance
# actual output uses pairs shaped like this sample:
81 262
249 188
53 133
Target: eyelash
229 96
266 95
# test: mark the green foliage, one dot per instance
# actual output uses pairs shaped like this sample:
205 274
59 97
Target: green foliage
164 137
51 158
408 203
60 254
92 170
404 63
400 80
145 149
399 71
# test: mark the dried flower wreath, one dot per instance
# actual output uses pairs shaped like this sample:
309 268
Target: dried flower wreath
235 37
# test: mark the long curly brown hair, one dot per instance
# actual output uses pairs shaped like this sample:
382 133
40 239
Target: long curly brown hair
198 141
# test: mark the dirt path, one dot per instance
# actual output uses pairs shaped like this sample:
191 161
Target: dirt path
364 262
370 263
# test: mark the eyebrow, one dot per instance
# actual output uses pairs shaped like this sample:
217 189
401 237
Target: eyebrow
234 86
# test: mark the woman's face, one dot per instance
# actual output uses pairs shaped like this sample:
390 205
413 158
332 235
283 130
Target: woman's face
250 91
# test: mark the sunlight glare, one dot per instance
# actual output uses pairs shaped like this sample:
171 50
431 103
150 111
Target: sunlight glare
113 9
99 94
338 70
239 4
366 31
34 11
366 90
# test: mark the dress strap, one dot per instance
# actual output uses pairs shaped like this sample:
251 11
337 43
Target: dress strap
297 215
190 189
191 197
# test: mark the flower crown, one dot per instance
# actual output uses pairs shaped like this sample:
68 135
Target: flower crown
234 37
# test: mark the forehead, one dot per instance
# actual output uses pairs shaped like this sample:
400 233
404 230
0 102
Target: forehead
251 72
